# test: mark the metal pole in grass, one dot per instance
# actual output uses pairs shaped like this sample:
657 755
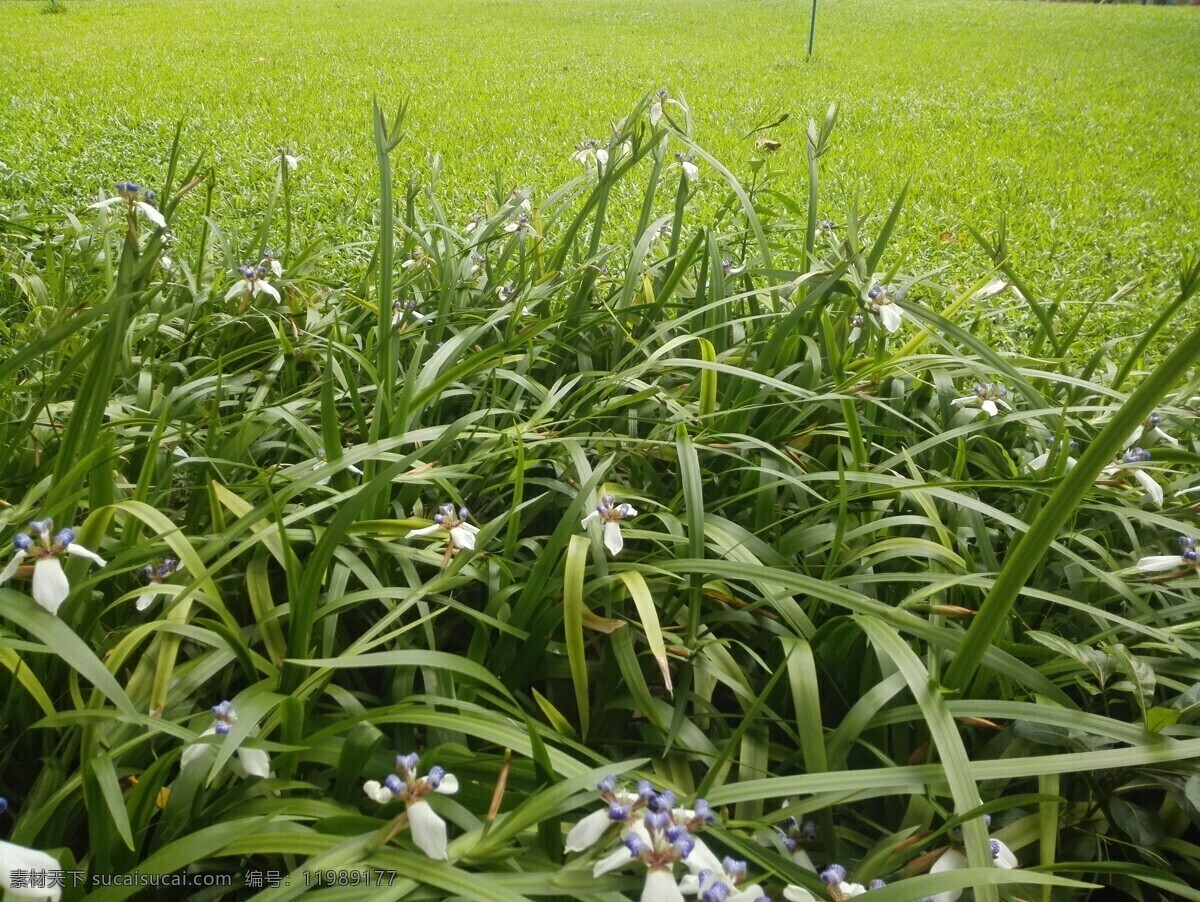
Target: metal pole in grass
812 28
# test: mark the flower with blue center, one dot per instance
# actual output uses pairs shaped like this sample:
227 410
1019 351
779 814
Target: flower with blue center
156 575
254 762
856 328
658 106
834 878
289 159
16 865
1150 431
710 885
475 222
252 283
620 807
1188 559
589 153
50 585
885 305
272 262
426 825
405 313
1064 452
137 199
954 859
520 223
986 396
610 514
462 534
826 227
728 269
1127 467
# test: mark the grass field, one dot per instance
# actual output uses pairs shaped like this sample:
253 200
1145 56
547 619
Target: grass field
1076 121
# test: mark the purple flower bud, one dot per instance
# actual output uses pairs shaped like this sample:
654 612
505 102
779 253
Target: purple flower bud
876 884
656 821
434 778
833 875
64 538
439 519
409 762
3 804
634 844
222 727
664 802
618 812
223 711
22 542
703 811
644 790
608 784
987 820
674 831
809 830
684 845
41 528
718 892
396 785
734 868
463 513
995 847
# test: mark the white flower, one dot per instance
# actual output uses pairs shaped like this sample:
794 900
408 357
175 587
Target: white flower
323 461
886 307
156 576
50 586
253 282
856 327
132 195
720 883
1125 467
272 263
1187 559
610 514
16 859
426 825
658 106
590 152
1039 462
990 290
986 396
290 159
520 223
683 159
661 887
475 222
620 807
1150 431
953 859
405 312
462 533
255 762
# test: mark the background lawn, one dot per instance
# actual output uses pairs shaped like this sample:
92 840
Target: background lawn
1077 121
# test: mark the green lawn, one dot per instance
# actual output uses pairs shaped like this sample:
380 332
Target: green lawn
1077 121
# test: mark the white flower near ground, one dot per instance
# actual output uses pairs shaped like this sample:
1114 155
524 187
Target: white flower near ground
462 533
138 200
856 328
156 576
953 859
684 161
426 826
720 883
323 461
50 585
990 290
886 307
405 312
1039 462
658 105
1150 431
986 396
590 153
1125 467
1187 559
252 283
610 514
255 762
18 860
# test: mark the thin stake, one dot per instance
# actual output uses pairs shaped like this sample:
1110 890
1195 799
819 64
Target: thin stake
812 28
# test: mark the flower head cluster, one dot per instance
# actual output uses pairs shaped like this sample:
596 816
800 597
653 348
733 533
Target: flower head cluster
884 303
462 534
986 396
427 827
684 161
838 887
1064 450
590 152
156 575
658 835
138 200
954 859
610 514
253 282
659 103
710 885
519 223
405 313
50 586
1150 431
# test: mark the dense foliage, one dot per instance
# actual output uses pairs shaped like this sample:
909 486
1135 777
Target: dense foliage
877 577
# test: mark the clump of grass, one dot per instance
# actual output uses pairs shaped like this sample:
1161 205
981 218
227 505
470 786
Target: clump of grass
53 7
732 503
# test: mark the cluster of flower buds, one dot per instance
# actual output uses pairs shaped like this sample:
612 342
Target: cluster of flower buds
138 199
885 307
986 396
165 569
610 514
427 827
462 534
1188 559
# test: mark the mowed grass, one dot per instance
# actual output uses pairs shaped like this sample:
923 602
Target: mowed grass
1076 122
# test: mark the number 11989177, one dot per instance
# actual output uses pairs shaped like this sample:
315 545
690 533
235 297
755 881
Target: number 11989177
349 877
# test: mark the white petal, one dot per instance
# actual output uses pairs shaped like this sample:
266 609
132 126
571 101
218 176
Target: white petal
1159 434
613 540
594 517
966 399
292 162
854 334
1006 859
239 287
602 156
891 316
277 268
463 536
588 831
691 171
631 512
1040 461
448 786
11 567
195 750
656 113
378 792
850 890
612 861
661 887
950 860
989 407
426 531
1153 489
144 601
50 586
801 858
1157 563
751 893
703 858
105 203
152 214
428 830
1071 462
355 470
80 551
267 288
1134 438
990 290
19 858
798 894
256 762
